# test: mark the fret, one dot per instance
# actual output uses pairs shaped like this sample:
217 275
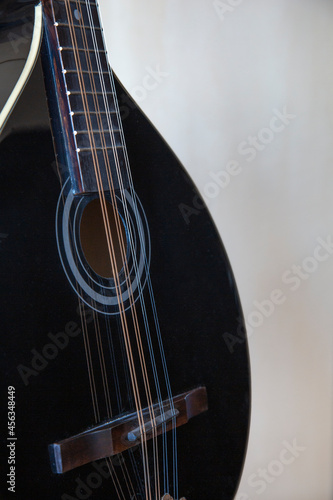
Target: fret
81 26
95 131
86 72
96 121
85 49
91 83
85 2
86 93
114 149
91 39
89 60
75 2
80 13
101 139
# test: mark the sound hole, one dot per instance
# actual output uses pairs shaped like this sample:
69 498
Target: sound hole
94 241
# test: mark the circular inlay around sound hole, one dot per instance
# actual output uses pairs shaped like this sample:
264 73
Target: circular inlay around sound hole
94 241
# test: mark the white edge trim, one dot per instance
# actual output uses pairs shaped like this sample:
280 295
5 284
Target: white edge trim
27 70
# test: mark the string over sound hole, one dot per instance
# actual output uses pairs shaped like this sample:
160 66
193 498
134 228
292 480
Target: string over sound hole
94 240
87 263
169 497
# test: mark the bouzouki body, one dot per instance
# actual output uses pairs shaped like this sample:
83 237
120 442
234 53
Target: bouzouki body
146 359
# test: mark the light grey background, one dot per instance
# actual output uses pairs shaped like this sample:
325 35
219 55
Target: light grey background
224 73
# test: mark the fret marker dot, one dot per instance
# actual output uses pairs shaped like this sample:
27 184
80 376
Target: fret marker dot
77 14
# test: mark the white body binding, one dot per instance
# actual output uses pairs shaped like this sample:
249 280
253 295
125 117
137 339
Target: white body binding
27 69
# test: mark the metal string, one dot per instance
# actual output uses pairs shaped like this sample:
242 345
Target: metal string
95 160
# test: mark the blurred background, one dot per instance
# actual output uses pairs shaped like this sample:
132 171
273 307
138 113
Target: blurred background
242 91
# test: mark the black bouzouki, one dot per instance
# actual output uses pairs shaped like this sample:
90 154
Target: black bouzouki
124 362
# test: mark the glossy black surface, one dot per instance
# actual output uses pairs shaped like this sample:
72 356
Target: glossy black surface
14 12
16 25
197 303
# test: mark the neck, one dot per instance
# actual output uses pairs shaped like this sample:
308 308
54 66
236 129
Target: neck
80 88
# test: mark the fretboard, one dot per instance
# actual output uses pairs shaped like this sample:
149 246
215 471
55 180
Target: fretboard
80 62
